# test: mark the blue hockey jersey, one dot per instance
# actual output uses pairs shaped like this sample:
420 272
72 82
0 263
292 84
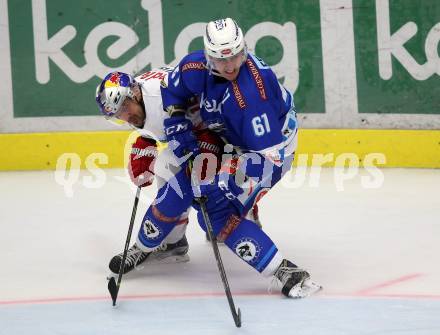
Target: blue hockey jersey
253 112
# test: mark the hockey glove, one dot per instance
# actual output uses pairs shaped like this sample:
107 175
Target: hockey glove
205 166
180 137
141 166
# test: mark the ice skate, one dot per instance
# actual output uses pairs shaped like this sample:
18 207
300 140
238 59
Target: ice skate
296 282
168 253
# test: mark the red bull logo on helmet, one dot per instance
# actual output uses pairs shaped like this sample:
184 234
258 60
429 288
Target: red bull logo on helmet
114 80
117 79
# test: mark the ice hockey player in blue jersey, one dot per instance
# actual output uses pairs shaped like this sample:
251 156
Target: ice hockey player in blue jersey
240 98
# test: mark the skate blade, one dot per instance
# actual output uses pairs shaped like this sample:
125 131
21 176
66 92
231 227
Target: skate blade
306 289
167 260
156 260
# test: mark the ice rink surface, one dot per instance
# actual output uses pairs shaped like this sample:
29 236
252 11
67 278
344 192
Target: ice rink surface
374 250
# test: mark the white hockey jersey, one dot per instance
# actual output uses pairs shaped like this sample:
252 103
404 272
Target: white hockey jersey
154 113
150 82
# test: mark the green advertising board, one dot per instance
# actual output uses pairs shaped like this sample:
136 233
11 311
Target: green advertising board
350 63
398 65
78 39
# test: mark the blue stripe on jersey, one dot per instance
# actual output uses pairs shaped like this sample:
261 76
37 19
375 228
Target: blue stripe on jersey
267 258
287 97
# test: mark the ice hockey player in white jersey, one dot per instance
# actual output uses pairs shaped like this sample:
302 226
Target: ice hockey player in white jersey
137 101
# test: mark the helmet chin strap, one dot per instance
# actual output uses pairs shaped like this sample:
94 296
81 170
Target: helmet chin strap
145 112
212 69
137 96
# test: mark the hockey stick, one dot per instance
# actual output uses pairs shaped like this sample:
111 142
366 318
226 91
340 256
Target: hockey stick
113 287
235 314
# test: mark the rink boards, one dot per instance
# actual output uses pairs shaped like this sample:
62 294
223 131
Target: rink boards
317 147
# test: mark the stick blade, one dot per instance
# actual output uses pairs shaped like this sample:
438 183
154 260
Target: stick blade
113 289
237 318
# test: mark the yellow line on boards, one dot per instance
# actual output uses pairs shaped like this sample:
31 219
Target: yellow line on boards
325 147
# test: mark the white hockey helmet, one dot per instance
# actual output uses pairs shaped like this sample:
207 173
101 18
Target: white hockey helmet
112 91
223 39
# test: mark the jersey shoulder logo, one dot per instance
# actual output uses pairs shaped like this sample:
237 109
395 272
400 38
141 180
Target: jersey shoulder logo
238 95
153 74
193 66
257 78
